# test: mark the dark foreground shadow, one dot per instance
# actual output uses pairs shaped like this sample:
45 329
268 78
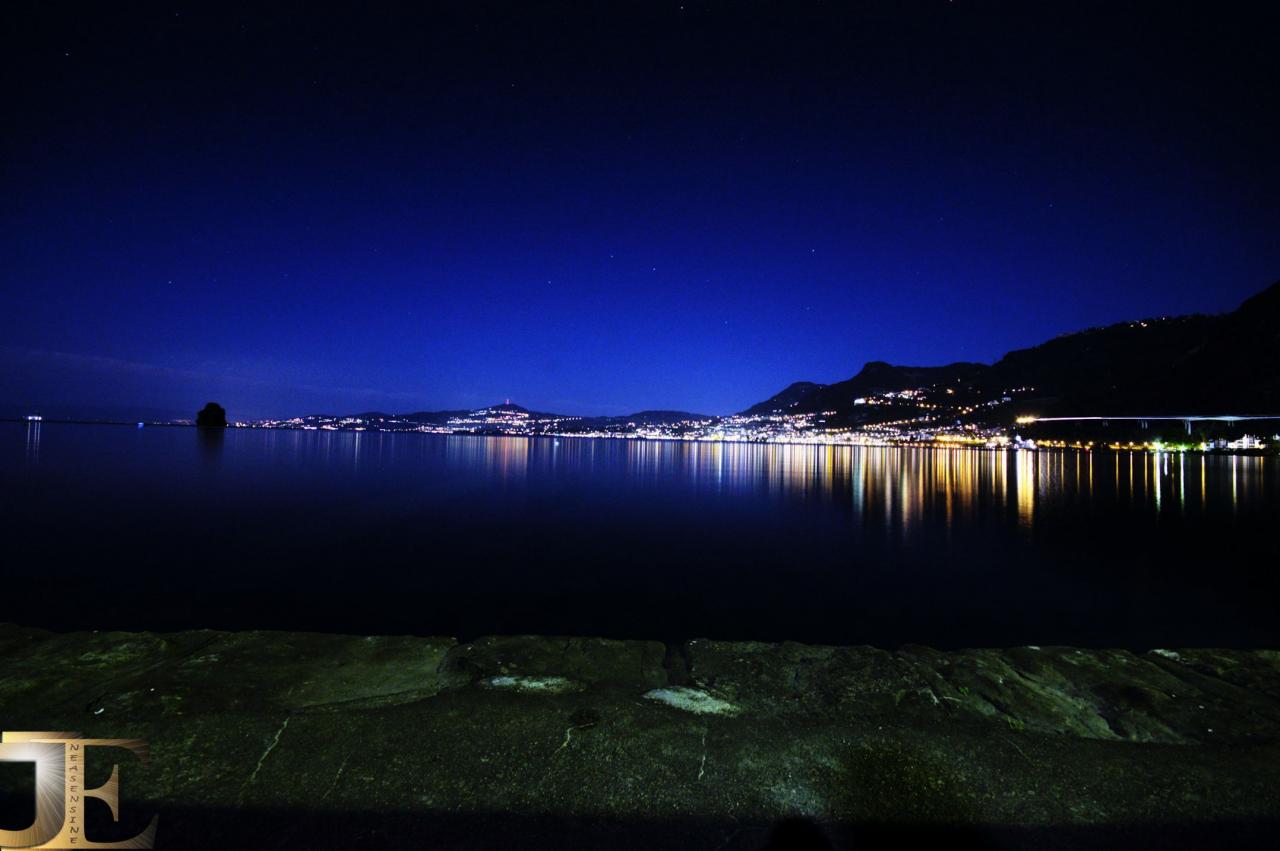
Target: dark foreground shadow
799 834
195 829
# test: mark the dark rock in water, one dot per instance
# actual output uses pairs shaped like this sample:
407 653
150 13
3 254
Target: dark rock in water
212 415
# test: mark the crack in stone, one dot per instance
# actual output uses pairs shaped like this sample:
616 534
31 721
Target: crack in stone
336 777
568 734
413 695
275 740
1018 749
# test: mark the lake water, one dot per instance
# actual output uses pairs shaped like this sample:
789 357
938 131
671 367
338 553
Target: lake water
111 526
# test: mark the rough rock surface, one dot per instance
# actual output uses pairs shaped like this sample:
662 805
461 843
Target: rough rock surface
264 739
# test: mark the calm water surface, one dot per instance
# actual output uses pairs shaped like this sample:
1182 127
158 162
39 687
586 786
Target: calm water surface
109 526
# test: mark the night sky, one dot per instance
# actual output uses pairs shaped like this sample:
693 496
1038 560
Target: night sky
601 208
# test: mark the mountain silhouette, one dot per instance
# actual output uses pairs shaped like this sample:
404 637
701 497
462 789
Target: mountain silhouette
1197 364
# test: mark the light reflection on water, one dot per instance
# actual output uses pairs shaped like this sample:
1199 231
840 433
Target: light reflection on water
833 544
901 485
33 443
898 486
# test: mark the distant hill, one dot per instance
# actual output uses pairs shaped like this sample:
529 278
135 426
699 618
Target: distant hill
501 418
1226 364
789 398
1237 364
431 417
1196 364
1222 364
874 378
640 417
647 417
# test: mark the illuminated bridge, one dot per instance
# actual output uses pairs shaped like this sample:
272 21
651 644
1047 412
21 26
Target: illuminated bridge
1145 421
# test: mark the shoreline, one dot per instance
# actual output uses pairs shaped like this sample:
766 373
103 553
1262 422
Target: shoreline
322 740
1050 445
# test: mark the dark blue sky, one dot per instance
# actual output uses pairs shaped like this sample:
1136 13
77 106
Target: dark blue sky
609 207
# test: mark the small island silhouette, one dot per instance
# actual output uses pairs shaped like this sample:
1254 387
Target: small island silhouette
212 415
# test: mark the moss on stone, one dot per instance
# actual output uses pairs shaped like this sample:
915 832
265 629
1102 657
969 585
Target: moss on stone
740 733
